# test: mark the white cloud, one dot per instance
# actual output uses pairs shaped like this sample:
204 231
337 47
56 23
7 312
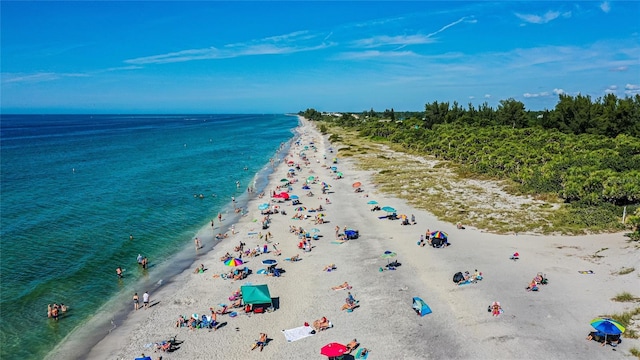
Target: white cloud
535 95
402 40
471 97
37 77
472 21
294 42
406 40
605 7
8 78
487 96
632 89
558 91
620 68
375 54
537 19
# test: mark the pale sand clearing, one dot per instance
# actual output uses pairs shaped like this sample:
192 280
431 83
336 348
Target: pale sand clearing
549 324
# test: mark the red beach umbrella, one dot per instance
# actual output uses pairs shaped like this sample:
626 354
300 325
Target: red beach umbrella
357 184
284 195
333 350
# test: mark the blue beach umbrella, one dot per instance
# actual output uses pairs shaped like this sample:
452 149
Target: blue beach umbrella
388 209
607 326
372 202
294 197
263 206
292 170
269 262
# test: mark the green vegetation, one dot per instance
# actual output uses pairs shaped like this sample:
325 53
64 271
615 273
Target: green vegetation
635 352
625 271
583 154
624 297
626 319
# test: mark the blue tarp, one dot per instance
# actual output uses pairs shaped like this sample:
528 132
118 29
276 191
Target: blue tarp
421 307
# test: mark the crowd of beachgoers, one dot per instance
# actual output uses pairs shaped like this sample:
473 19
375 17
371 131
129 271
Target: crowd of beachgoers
332 265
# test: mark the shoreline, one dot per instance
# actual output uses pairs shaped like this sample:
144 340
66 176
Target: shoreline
113 314
550 323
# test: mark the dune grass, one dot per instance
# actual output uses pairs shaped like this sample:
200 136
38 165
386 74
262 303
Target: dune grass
625 271
625 297
449 192
437 186
627 320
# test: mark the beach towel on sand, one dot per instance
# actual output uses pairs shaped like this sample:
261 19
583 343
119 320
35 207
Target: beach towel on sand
297 333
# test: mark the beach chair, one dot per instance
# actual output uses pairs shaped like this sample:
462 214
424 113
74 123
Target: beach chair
205 322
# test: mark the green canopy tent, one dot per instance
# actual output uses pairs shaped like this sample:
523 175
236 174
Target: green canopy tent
255 294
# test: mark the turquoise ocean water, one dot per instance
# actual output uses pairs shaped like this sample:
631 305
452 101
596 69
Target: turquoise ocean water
74 187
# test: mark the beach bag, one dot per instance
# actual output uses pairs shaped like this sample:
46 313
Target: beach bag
458 277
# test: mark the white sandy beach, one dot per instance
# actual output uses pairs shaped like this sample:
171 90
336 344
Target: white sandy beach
549 324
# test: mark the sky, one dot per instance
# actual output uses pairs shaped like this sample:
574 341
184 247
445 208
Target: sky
160 57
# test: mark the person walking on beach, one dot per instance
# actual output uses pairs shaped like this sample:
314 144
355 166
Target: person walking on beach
145 299
219 217
198 243
337 231
136 302
211 223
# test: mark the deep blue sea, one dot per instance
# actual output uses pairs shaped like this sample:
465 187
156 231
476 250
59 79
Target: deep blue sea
75 187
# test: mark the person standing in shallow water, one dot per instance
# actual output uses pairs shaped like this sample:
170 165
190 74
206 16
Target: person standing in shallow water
55 312
136 302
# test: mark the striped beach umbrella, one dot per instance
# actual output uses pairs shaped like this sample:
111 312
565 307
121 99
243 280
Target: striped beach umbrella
234 262
439 235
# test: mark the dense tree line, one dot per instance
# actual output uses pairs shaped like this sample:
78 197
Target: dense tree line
587 153
608 116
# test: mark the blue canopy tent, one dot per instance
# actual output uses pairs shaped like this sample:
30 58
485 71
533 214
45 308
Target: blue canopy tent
420 306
